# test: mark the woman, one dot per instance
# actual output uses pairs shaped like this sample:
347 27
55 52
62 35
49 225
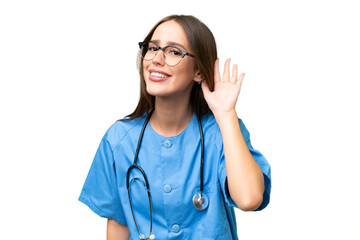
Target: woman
194 161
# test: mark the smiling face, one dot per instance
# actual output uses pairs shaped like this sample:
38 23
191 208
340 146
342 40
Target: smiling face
163 80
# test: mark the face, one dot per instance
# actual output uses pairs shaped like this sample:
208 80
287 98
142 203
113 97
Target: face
163 80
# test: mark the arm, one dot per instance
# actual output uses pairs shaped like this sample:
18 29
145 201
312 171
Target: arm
244 175
117 231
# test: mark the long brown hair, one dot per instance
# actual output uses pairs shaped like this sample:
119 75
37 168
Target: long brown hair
203 45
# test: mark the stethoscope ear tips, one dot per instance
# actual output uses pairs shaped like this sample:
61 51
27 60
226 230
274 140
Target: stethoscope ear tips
200 201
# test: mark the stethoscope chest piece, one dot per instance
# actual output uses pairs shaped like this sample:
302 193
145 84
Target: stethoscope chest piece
142 236
200 201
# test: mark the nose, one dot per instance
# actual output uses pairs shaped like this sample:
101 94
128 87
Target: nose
159 58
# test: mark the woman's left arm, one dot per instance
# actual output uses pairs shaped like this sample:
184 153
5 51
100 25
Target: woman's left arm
244 175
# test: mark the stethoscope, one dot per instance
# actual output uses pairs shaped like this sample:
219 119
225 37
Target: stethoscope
200 200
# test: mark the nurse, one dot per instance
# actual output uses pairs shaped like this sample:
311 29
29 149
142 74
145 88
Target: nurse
182 96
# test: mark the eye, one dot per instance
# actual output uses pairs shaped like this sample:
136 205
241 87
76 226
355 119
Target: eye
152 47
175 52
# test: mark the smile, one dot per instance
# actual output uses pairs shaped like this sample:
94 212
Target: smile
156 74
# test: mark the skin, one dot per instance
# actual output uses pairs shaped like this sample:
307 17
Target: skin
244 175
172 114
116 231
172 100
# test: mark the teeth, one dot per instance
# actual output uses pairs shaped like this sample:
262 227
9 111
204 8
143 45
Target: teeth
156 74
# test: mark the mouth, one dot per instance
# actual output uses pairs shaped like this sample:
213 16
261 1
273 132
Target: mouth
157 76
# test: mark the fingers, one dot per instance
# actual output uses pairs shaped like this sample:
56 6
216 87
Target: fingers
226 75
216 71
240 80
234 74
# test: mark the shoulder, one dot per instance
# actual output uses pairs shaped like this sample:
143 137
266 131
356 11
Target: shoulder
119 130
210 125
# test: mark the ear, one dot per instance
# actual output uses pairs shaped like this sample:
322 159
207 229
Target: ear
198 77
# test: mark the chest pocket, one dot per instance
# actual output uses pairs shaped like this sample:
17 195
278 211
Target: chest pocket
213 222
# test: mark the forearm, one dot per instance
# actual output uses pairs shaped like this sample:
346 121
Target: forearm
116 231
244 175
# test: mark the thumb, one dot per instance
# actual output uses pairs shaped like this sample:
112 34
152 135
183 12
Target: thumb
205 88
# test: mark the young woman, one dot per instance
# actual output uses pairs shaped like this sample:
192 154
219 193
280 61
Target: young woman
178 165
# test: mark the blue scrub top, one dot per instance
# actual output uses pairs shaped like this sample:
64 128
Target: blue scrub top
172 166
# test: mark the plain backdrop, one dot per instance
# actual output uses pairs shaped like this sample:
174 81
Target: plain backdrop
68 71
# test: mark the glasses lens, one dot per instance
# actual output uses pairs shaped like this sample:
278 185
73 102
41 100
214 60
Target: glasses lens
149 49
172 55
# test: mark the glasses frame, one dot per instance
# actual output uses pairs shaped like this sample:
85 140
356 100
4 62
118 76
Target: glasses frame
183 53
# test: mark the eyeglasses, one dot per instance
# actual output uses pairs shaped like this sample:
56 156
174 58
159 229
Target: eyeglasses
173 54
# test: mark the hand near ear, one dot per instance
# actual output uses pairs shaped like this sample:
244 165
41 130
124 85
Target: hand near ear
226 90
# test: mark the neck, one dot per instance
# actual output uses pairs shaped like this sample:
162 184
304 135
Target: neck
171 116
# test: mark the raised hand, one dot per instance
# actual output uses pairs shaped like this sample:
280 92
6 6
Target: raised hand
226 90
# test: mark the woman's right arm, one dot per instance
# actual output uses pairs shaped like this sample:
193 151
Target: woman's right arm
117 231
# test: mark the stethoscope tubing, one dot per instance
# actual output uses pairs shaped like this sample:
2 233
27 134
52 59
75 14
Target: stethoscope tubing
135 166
202 157
143 173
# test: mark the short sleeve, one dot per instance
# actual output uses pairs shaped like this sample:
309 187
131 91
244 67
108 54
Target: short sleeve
100 191
260 159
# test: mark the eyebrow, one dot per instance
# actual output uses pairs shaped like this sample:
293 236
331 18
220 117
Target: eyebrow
171 43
